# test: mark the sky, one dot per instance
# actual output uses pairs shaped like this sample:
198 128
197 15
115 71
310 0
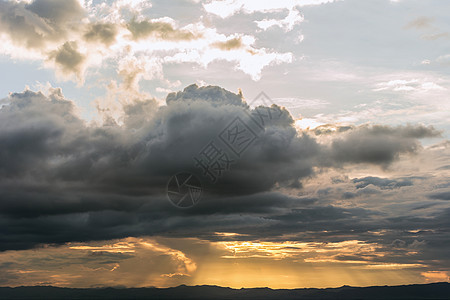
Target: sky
316 130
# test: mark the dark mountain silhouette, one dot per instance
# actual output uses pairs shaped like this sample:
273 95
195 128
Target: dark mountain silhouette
410 292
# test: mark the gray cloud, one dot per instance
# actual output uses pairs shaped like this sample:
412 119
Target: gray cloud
377 144
101 32
68 58
162 30
383 183
441 195
231 44
19 26
56 11
211 94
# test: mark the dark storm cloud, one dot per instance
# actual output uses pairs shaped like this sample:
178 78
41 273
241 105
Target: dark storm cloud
98 218
31 130
162 30
64 180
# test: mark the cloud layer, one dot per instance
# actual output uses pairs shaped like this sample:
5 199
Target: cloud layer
73 38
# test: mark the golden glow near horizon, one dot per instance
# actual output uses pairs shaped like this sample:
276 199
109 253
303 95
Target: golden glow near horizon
141 262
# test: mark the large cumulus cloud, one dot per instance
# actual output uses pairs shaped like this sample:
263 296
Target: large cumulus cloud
63 179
